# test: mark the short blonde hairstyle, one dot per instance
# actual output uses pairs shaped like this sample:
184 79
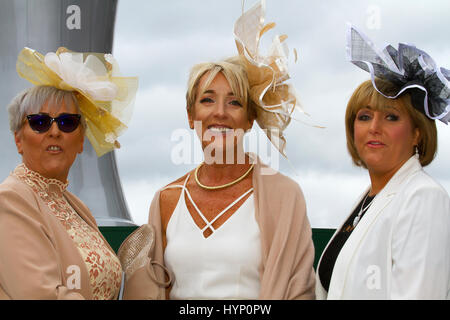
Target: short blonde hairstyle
233 70
365 94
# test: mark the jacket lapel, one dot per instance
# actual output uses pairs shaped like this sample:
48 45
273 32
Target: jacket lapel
321 293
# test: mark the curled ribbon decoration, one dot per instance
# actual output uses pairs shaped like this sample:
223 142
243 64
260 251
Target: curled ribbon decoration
275 100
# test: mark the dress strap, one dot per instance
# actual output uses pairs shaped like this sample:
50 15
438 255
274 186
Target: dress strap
226 209
208 224
197 209
178 185
184 189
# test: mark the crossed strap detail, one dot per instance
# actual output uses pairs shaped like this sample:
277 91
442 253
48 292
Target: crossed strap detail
208 223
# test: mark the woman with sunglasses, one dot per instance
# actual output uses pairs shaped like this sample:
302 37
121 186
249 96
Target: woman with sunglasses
50 245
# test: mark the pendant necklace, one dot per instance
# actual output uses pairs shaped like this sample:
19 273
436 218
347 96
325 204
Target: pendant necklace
362 210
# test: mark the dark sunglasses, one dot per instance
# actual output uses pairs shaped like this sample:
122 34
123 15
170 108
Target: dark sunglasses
42 122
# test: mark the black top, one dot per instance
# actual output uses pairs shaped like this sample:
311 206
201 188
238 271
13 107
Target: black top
334 248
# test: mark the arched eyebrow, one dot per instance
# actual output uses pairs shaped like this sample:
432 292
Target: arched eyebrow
392 107
210 91
383 109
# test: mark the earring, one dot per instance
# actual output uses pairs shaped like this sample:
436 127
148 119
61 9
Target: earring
416 155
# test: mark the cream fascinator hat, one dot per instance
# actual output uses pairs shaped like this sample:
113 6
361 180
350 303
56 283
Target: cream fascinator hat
105 98
275 100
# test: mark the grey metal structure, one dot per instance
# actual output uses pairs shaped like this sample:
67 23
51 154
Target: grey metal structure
45 25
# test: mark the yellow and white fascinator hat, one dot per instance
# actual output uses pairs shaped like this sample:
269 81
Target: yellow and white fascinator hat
105 98
275 99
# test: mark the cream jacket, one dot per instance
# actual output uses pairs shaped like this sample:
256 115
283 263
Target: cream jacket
38 259
286 237
401 247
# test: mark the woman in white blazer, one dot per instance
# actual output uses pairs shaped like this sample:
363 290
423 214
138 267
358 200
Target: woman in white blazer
396 242
400 247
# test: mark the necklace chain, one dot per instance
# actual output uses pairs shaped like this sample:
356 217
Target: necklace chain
362 210
222 186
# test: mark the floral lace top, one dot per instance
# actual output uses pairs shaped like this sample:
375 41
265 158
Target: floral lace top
104 267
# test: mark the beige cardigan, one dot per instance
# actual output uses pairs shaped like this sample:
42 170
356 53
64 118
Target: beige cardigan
38 259
287 248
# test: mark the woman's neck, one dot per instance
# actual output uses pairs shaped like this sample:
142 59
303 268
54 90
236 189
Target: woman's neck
377 184
379 180
216 173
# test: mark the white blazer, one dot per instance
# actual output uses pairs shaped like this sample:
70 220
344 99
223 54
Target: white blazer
401 247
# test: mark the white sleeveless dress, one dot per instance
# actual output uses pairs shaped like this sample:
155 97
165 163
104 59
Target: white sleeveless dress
225 265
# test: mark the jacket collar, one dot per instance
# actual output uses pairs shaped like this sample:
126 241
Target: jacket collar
38 181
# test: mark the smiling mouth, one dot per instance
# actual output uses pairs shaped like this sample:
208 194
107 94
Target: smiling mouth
219 129
54 149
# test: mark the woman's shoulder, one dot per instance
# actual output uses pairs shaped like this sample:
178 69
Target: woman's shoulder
168 198
169 194
173 188
421 193
421 202
12 186
422 182
278 181
17 199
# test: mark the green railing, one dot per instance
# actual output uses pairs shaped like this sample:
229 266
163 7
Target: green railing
320 239
115 236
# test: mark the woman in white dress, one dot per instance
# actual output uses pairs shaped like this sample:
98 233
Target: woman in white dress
213 237
234 228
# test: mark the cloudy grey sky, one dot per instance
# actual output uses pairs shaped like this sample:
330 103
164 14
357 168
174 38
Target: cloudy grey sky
160 40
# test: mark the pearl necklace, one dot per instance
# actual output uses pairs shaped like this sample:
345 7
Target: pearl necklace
222 186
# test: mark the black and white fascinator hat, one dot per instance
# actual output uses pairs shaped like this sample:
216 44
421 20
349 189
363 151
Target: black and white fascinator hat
407 67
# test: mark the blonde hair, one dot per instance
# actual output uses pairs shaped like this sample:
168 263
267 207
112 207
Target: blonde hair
365 94
233 70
